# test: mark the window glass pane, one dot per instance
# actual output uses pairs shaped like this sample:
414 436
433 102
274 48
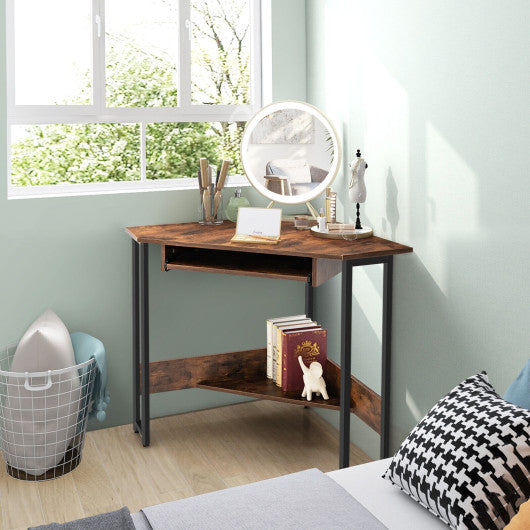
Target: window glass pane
53 52
220 52
77 153
141 53
173 150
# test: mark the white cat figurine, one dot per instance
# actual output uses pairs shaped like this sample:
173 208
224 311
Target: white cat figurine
313 380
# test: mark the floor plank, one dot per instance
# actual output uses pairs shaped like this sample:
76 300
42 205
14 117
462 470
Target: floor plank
190 454
212 436
156 462
62 501
20 501
92 483
193 463
123 469
176 495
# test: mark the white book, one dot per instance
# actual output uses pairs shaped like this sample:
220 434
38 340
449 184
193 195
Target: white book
280 326
270 323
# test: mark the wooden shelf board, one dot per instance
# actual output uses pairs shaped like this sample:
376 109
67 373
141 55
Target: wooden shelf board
265 389
229 262
295 275
243 373
292 243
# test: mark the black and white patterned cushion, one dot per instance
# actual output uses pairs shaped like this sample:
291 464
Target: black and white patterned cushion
468 460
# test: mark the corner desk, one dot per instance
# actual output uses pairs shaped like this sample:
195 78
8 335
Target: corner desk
298 256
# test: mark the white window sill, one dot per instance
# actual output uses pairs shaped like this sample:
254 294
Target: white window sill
107 188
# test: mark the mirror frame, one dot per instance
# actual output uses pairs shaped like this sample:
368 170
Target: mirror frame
337 150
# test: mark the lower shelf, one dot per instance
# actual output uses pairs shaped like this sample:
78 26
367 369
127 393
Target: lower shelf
243 373
264 388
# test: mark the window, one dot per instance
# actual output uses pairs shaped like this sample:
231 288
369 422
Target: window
107 95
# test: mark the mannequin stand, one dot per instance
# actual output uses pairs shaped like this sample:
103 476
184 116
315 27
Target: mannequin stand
358 221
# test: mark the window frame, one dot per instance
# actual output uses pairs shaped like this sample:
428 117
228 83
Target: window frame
98 112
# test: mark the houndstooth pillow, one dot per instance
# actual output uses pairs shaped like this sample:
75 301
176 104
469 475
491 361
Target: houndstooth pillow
468 460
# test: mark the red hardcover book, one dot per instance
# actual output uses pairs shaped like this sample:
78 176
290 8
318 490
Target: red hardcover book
311 344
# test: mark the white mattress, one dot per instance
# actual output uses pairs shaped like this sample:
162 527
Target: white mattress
395 509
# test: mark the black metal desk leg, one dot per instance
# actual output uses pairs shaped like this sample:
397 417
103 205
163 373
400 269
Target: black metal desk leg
308 303
386 357
345 364
144 332
136 335
309 298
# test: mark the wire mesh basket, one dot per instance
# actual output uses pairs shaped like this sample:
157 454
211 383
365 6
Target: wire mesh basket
43 418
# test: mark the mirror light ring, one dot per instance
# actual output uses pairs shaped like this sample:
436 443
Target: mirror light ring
337 152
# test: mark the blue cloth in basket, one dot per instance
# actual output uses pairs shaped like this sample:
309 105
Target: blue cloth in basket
518 392
87 347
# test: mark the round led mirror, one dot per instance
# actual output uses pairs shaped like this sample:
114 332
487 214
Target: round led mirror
290 152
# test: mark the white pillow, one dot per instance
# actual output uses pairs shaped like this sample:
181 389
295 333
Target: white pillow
39 424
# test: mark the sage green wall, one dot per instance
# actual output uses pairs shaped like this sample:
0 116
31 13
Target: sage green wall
71 254
288 27
435 94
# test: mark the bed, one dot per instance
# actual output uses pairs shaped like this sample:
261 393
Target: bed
389 504
468 459
355 497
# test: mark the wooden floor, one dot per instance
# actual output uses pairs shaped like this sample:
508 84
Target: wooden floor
190 454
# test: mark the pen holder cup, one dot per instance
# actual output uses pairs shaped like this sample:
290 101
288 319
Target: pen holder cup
210 206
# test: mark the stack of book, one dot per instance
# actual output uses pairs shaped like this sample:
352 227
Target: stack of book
288 338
